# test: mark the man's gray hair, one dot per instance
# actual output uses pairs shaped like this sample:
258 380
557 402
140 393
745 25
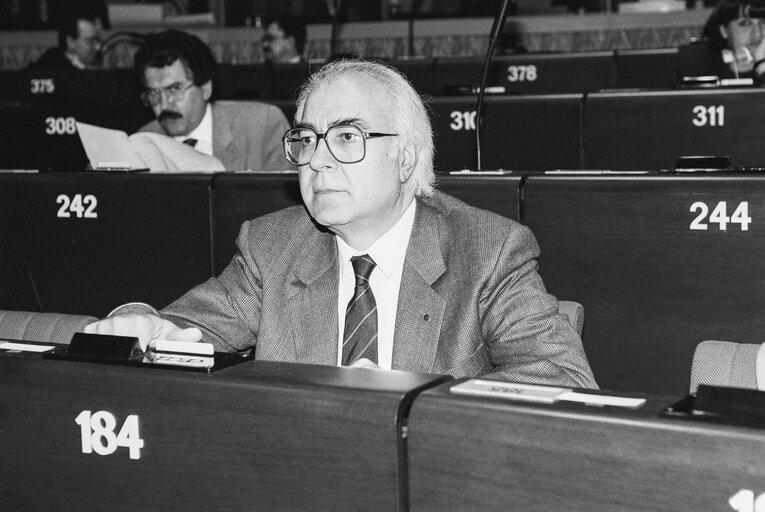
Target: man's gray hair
406 111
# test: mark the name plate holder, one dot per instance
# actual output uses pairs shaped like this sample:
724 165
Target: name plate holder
126 351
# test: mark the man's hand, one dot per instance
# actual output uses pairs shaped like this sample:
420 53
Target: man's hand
144 327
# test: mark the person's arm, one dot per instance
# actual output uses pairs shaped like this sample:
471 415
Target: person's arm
529 341
227 308
224 311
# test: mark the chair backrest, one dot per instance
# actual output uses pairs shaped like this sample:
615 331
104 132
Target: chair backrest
45 327
574 312
724 364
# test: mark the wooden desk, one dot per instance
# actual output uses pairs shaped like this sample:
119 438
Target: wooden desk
270 436
654 269
471 453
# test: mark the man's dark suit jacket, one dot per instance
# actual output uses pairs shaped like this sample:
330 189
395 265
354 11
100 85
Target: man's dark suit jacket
247 135
52 58
471 301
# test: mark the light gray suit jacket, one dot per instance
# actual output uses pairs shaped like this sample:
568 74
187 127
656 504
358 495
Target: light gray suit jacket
247 135
471 301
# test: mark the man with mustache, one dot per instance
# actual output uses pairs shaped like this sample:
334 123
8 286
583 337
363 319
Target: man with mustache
176 70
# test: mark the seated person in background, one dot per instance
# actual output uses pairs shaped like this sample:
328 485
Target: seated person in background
732 44
79 38
440 286
176 70
284 40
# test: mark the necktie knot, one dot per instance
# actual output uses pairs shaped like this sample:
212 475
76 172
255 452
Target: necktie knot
190 142
363 266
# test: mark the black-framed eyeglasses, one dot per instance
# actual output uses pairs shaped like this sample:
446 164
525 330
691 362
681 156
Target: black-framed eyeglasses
174 92
346 143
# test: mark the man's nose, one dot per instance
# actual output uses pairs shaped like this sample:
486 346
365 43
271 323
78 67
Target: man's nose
321 158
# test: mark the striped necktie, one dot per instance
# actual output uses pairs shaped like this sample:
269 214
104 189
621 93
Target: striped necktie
360 333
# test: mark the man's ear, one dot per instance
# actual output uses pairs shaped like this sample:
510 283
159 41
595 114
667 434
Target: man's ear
407 161
70 42
207 89
723 32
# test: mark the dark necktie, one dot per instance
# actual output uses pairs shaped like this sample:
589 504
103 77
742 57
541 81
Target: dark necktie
190 142
360 333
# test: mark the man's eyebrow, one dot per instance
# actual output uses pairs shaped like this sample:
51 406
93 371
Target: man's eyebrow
305 125
357 121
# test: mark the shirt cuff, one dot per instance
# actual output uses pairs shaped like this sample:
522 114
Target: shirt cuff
136 308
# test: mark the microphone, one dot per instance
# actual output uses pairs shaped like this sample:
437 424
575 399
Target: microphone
496 30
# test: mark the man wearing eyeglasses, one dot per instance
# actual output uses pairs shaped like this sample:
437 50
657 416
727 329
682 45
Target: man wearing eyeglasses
176 71
378 270
79 38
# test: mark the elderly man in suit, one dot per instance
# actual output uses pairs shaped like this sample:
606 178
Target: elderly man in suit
378 269
176 70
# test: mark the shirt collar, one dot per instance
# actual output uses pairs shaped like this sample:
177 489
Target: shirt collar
203 131
389 250
75 60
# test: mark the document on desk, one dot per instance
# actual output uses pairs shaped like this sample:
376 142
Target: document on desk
541 394
115 150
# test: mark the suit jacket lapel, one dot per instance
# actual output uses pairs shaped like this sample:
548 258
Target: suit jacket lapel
420 307
311 301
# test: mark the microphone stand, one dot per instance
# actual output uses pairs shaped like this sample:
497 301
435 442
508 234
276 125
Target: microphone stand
414 11
335 23
496 30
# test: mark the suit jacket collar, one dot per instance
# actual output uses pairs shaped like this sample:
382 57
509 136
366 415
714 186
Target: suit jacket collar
224 143
312 298
420 307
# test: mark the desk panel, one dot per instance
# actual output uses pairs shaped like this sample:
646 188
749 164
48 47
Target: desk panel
498 194
530 73
242 82
519 133
238 197
45 136
92 86
650 129
653 267
266 436
92 241
654 68
470 453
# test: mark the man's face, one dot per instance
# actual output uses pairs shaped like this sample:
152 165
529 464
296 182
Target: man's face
87 43
354 200
276 46
180 106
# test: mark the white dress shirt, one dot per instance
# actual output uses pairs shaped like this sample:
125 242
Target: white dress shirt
202 133
388 252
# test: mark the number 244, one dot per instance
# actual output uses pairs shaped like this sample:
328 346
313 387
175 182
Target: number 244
720 216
